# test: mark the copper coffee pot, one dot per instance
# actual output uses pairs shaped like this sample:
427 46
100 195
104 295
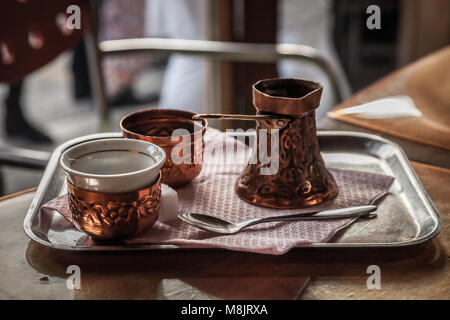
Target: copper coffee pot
302 180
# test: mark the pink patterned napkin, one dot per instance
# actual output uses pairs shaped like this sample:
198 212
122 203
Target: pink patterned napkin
212 192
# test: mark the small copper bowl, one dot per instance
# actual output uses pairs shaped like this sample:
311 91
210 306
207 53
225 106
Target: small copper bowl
156 126
114 216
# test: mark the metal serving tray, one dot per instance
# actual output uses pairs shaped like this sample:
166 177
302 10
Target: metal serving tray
406 216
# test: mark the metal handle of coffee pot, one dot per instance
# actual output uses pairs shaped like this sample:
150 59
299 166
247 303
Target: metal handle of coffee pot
276 123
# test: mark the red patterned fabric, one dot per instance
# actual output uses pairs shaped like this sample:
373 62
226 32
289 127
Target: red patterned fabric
31 34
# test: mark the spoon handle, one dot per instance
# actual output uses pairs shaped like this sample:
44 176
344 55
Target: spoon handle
350 212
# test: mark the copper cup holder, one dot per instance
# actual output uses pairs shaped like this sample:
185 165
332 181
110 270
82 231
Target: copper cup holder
114 216
156 126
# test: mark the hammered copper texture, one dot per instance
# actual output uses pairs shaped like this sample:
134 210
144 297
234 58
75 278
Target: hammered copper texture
113 216
302 179
156 126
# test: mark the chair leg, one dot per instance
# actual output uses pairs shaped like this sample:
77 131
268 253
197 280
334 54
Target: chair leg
95 68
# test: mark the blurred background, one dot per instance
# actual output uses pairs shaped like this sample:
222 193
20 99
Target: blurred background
53 95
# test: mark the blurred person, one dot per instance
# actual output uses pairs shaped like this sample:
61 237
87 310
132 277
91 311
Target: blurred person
188 81
81 81
118 19
121 20
309 23
16 124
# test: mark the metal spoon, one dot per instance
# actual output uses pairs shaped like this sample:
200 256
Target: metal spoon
214 224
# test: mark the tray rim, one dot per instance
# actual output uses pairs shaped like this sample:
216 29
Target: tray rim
51 167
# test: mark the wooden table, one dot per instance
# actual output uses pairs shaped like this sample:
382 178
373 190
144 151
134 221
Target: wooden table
425 139
31 271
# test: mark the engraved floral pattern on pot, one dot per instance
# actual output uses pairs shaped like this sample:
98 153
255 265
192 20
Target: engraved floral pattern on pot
302 179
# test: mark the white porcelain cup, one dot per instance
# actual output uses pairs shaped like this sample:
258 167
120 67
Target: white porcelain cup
113 165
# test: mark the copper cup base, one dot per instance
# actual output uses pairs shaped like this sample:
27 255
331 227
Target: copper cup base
285 203
114 216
